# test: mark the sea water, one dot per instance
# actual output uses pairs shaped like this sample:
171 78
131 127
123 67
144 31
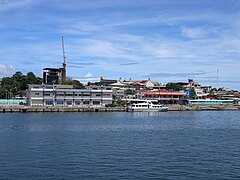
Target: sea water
120 145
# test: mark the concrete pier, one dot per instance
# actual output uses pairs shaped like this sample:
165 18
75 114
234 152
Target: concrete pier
25 109
175 107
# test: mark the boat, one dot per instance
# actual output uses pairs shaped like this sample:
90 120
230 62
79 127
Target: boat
148 106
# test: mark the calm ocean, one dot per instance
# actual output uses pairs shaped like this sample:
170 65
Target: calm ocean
121 145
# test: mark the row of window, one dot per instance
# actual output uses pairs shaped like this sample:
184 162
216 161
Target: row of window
97 95
59 102
161 96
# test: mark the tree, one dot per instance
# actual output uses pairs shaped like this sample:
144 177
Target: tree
120 103
2 93
76 84
18 82
8 83
32 79
174 86
130 91
18 76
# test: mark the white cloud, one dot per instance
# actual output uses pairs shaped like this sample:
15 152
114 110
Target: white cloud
107 49
88 75
6 70
7 5
193 32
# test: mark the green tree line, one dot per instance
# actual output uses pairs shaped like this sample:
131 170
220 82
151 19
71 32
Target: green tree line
18 82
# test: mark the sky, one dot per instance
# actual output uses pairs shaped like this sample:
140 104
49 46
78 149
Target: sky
166 41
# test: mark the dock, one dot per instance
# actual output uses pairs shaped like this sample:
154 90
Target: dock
26 109
175 107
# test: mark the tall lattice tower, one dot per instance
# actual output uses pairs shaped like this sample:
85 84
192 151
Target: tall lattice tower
64 69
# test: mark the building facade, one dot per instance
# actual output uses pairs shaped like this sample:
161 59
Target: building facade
58 95
163 96
52 75
210 102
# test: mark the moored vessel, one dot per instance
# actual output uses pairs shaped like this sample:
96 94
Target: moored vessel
148 106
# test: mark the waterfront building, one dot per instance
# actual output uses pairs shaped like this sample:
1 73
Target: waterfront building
65 95
201 92
163 96
12 102
119 89
210 102
128 84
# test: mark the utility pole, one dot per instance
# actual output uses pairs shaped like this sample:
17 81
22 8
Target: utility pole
217 78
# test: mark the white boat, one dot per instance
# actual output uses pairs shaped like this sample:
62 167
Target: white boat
148 106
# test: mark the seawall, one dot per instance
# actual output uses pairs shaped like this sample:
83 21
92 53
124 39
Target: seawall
175 107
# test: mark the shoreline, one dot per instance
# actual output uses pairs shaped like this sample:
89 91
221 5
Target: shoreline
175 107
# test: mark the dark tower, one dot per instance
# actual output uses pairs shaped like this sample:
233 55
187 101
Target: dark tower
64 68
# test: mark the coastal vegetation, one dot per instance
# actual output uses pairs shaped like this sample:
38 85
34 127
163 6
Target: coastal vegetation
76 84
18 82
175 86
11 86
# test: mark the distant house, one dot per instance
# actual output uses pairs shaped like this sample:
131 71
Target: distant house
200 91
140 84
104 82
163 96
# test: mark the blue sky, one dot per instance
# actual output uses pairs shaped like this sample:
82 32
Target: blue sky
168 41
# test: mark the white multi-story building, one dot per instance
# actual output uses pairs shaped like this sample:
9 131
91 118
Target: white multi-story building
62 95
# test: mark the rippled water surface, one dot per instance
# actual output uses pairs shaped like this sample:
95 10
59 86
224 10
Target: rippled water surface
121 145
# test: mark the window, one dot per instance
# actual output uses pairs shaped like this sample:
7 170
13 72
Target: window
106 94
69 103
49 102
86 102
47 94
96 102
86 94
77 102
59 94
69 94
36 94
60 102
